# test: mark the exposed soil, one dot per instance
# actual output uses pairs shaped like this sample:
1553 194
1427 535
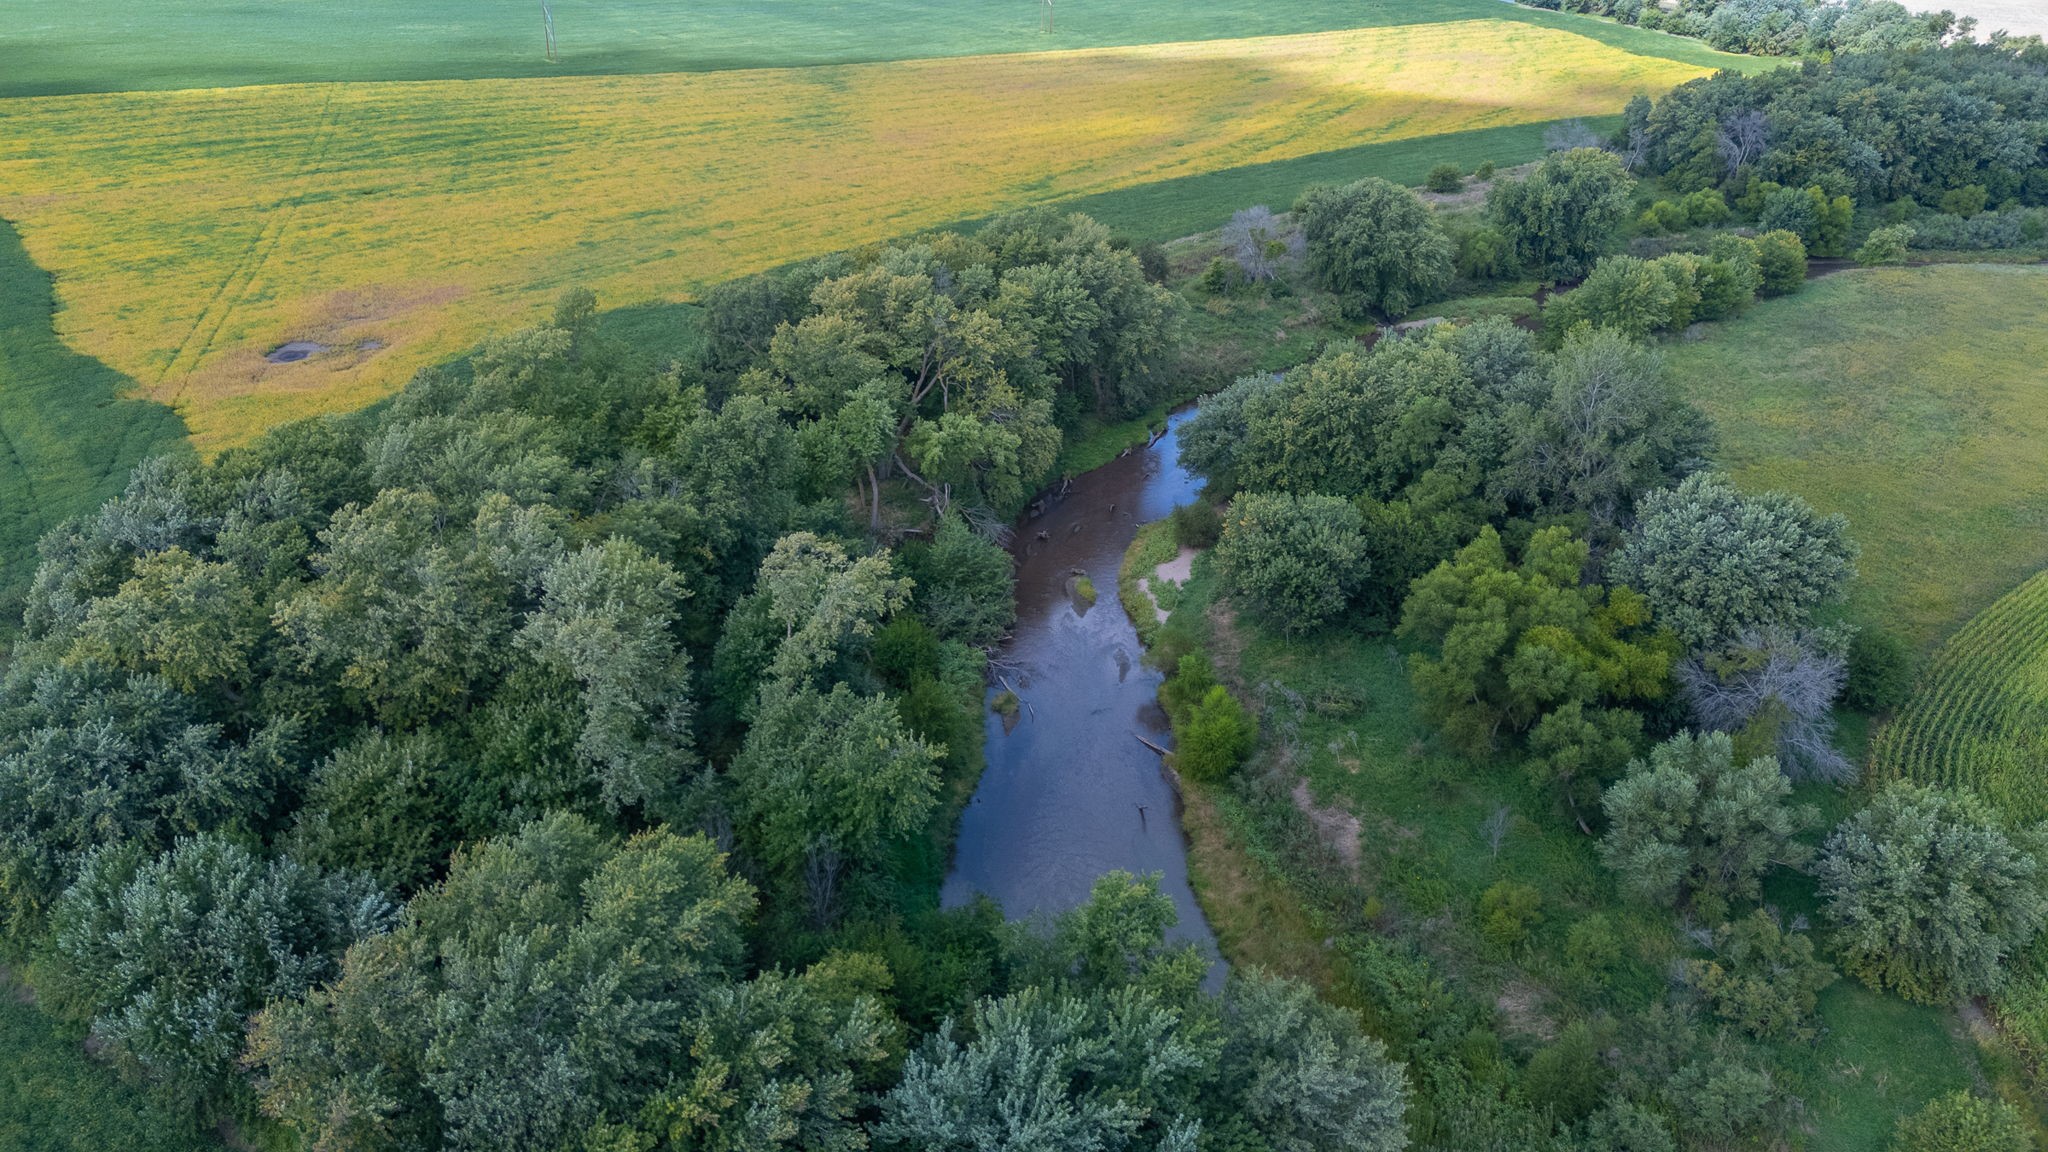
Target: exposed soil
1337 829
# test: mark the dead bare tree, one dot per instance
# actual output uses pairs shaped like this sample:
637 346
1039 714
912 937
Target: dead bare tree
1259 243
1786 679
1743 138
1495 829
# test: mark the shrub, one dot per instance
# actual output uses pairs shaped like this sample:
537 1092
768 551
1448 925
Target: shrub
1880 671
1197 525
1665 216
1483 254
1962 1122
1566 1076
1215 738
1593 946
1886 245
1929 896
1706 208
905 650
1220 277
1966 201
1445 178
1781 257
1484 171
1293 559
1508 914
1762 979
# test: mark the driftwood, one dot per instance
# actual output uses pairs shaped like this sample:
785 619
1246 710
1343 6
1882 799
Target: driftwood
1149 744
1005 682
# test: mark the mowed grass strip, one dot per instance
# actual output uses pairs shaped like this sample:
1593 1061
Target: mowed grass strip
1914 402
1978 719
190 232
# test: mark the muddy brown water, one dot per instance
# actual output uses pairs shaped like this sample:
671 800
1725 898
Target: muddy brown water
1069 791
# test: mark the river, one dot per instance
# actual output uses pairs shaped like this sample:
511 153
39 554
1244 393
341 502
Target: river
1069 791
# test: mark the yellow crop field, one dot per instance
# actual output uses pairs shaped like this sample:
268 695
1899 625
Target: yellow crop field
190 232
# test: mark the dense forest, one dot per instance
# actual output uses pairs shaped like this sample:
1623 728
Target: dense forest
563 755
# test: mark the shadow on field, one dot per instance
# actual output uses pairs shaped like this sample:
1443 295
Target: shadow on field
69 431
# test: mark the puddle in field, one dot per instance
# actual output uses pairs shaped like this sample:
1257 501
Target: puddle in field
293 352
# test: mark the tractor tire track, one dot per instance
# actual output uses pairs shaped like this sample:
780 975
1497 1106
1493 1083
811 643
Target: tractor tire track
234 289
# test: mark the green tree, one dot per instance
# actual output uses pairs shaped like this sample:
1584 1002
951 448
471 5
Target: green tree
1560 219
1962 1122
1375 245
1691 824
1762 978
520 1001
171 956
606 621
1885 245
1303 1073
1928 895
775 1065
1508 914
1717 563
1607 430
962 585
191 621
1782 261
831 771
376 806
1511 644
824 600
1293 559
1445 178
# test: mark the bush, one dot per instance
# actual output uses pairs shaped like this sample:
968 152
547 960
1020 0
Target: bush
1962 1122
1566 1077
1781 257
905 650
1762 979
1966 201
1593 947
1886 245
1197 525
1880 672
1221 276
1929 897
1445 178
1706 208
1484 171
1508 914
1215 738
1293 559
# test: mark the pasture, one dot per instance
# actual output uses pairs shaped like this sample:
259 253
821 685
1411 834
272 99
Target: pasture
165 44
1910 400
192 232
1978 716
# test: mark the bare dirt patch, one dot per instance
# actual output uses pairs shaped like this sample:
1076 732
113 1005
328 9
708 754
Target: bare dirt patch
1521 1007
1337 829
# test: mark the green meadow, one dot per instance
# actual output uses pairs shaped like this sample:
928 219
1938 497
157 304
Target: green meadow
154 44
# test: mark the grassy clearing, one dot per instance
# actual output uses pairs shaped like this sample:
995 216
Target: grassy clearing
1978 718
67 437
191 232
1424 859
1913 402
159 44
53 1099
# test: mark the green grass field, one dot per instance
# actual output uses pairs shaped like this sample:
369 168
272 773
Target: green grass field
1913 401
53 1099
69 432
157 44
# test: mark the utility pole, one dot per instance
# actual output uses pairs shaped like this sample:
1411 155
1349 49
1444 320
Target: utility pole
547 22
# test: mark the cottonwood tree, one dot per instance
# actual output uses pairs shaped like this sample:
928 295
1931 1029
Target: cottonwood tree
172 955
1716 562
823 600
1376 245
1690 824
1560 218
1928 895
1763 978
517 1004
